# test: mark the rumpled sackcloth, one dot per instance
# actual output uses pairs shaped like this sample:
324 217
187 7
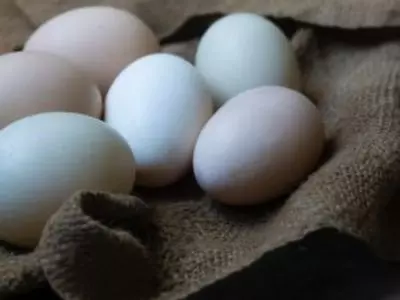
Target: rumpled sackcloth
171 243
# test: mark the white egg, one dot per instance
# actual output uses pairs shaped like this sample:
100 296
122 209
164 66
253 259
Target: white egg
243 51
159 104
259 146
46 158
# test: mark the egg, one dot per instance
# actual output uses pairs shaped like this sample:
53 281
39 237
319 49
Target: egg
243 51
159 104
101 40
46 158
258 146
32 83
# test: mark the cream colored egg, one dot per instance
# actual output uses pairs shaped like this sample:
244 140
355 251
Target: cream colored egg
32 83
243 51
101 40
159 104
46 158
258 146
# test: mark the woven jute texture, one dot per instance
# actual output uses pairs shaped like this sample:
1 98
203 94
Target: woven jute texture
170 243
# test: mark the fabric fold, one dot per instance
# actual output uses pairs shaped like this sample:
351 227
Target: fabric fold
92 248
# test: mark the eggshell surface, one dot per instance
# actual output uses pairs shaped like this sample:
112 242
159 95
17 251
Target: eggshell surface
46 158
258 146
101 40
159 104
243 51
32 83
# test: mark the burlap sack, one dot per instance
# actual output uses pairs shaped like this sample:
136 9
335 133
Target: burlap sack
176 240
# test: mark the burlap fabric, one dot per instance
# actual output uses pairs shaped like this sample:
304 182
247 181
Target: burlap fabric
173 242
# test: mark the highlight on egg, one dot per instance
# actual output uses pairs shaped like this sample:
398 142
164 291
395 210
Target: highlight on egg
46 158
159 104
32 83
259 146
242 51
102 40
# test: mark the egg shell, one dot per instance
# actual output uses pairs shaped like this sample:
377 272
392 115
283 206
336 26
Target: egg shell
258 146
46 158
159 104
32 83
101 40
243 51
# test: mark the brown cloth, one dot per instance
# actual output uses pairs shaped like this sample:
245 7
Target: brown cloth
175 241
